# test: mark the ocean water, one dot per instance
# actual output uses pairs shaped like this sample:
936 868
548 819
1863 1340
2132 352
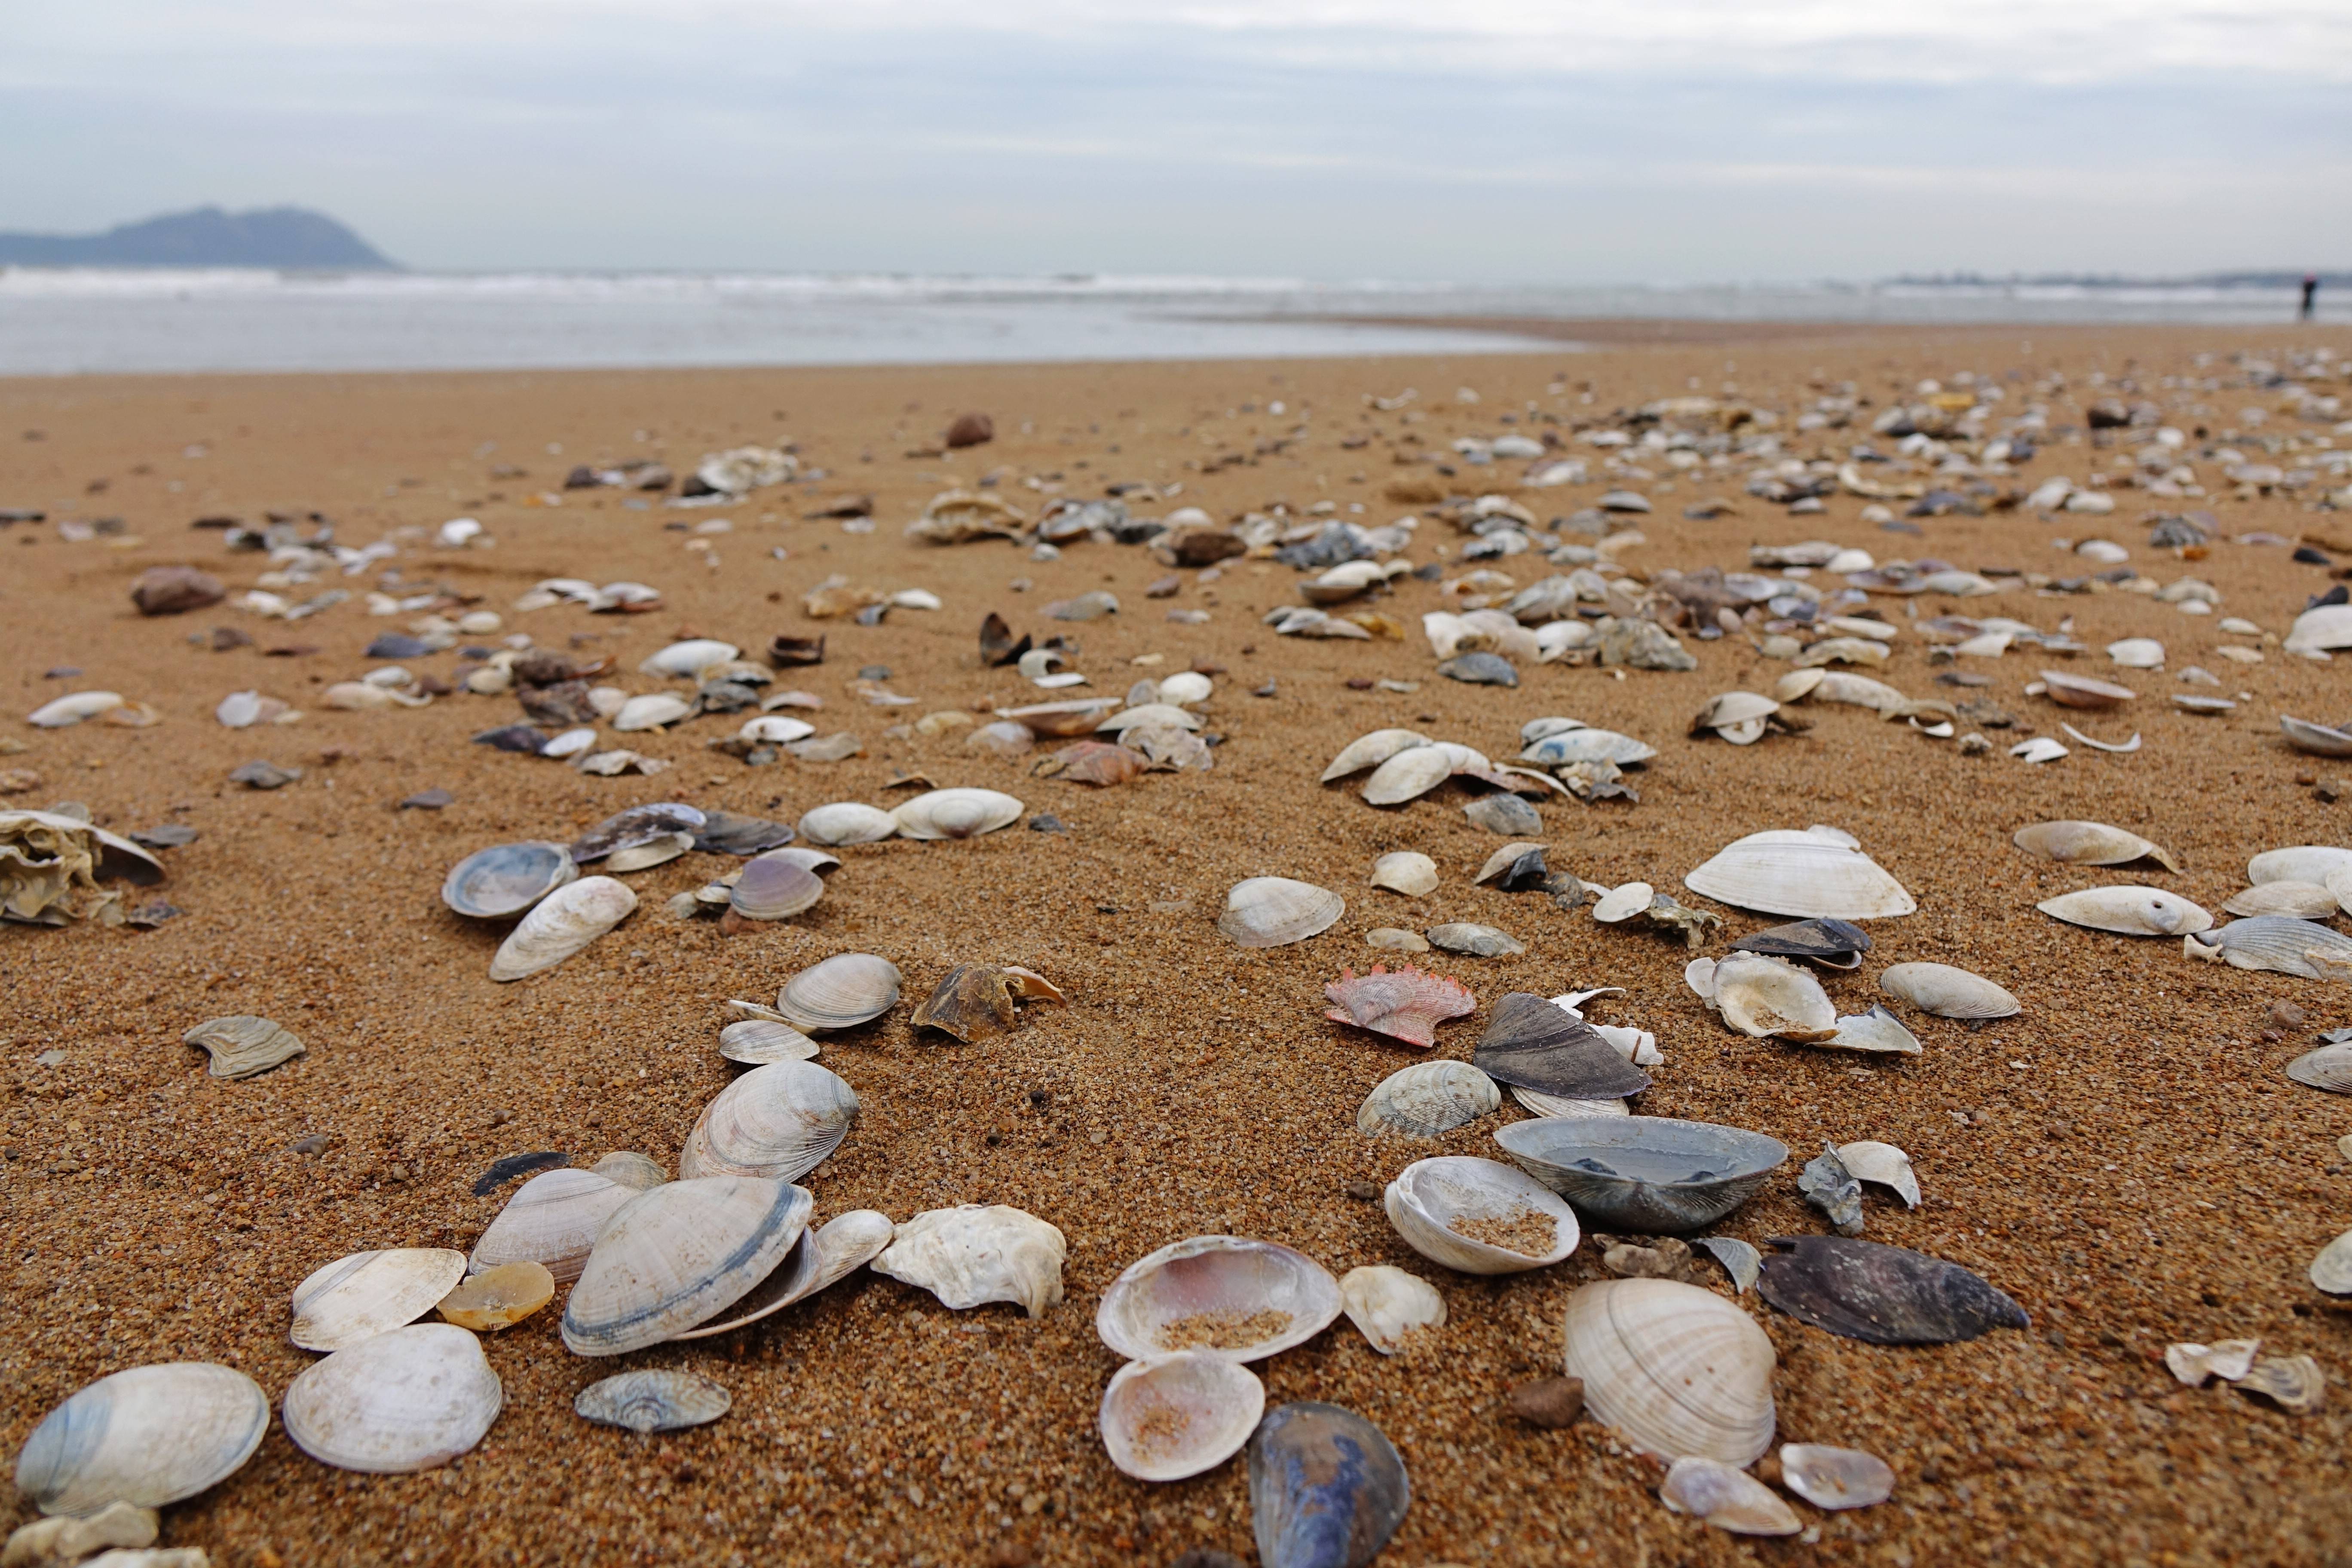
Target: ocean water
70 321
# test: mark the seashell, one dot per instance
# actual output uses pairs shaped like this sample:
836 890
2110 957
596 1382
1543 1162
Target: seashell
1740 1259
2304 863
2296 900
58 1542
553 1219
368 1293
1061 720
975 1254
1946 992
775 729
1713 1492
562 924
772 888
2137 653
690 657
2128 910
1165 1417
2195 1365
1185 688
1518 869
1540 1045
639 827
1479 1216
497 1297
2041 749
677 1256
2328 1067
1830 1187
1622 903
1503 814
1762 997
1405 872
148 1437
824 1255
1395 940
1477 941
1587 745
365 696
1650 1173
2318 739
1327 1488
659 850
1154 715
1673 1369
242 1046
2320 630
956 813
1810 874
2332 1270
1882 1295
653 1400
2294 1382
779 1121
1274 911
846 822
1222 1295
631 1170
72 708
1408 775
1835 1477
1371 751
1404 1003
2089 843
1094 763
841 993
652 712
504 880
2081 691
2303 948
1426 1100
1837 944
403 1401
1737 716
1480 668
758 1041
976 1000
1884 1164
1387 1304
1560 1105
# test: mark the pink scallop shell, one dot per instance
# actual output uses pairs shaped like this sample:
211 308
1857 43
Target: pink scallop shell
1403 1004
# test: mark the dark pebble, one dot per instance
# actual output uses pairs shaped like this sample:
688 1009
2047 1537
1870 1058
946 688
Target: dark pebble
1550 1403
427 800
396 645
1046 822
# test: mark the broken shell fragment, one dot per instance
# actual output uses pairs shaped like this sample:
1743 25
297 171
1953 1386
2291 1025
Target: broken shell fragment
1387 1305
1882 1164
1882 1295
2128 910
1818 873
399 1401
841 993
148 1437
1165 1417
1835 1477
1740 1259
553 1220
1830 1187
975 1254
779 1121
2318 739
2195 1365
1948 991
242 1046
1327 1488
1404 1003
1762 997
504 880
1274 911
1730 1499
956 813
2294 1382
1476 940
973 1001
1223 1295
1674 1369
369 1293
652 1399
1427 1100
1479 1216
677 1256
57 1543
758 1041
497 1297
1406 872
1649 1174
561 925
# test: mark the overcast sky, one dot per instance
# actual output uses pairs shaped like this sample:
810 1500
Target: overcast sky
1515 141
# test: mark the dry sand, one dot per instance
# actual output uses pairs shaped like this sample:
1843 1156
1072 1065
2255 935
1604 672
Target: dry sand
2124 1157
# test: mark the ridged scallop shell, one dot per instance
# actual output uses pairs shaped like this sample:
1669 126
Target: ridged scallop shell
1224 1295
1835 1477
1728 1498
400 1402
653 1399
846 822
677 1256
977 1253
504 880
1387 1304
1371 751
1673 1369
367 1293
758 1041
957 814
1405 872
1429 1195
1408 775
561 925
824 1254
241 1046
1274 911
779 1121
2076 843
1813 874
147 1436
841 993
772 887
1946 992
1763 996
1165 1417
2295 900
1427 1100
1403 1004
2128 910
2302 948
2304 863
553 1220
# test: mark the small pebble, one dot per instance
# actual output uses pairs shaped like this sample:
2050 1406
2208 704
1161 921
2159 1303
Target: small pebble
1550 1403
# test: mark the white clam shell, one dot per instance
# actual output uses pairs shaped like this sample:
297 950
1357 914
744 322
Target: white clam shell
1835 1477
773 887
1430 1194
975 1254
779 1121
367 1293
1387 1304
1426 1100
1762 997
846 822
1408 775
1622 903
1813 874
1165 715
652 1399
690 658
553 1220
1948 991
1371 751
2331 1270
2128 910
1405 871
2304 863
2296 901
1224 1295
561 925
403 1401
1185 688
1884 1164
147 1436
2138 652
652 712
1877 1030
824 1254
2078 843
758 1041
1168 1416
72 708
956 813
1273 911
1726 1498
1673 1368
775 729
677 1256
841 993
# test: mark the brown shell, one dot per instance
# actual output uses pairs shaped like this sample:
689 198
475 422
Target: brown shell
976 1000
1403 1004
1093 762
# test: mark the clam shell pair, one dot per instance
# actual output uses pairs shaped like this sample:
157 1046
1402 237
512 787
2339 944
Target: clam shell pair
1479 1216
977 1253
562 924
506 880
840 992
824 1254
1820 873
1644 1173
1274 911
675 1258
1673 1369
395 1403
1220 1295
148 1437
553 1220
369 1293
779 1122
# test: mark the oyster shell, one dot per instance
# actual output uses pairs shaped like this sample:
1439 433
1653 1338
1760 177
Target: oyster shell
677 1256
1882 1295
779 1121
1479 1216
504 880
1405 872
368 1293
1403 1004
1165 1417
1427 1100
1673 1369
1946 992
1223 1295
1327 1488
652 1399
2128 910
1730 1500
773 887
1647 1173
841 993
1371 751
148 1437
1835 1477
758 1041
973 1001
957 814
2089 843
1818 873
242 1046
846 822
824 1255
1387 1304
2303 948
553 1219
1274 911
1539 1045
400 1402
1764 997
561 925
977 1253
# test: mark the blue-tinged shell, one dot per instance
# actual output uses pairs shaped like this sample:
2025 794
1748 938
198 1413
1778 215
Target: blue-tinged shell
1327 1489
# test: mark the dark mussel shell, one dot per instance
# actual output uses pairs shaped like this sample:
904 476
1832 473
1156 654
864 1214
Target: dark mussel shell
728 833
1526 874
513 738
1536 1045
1840 944
1327 1489
638 824
997 644
1882 1295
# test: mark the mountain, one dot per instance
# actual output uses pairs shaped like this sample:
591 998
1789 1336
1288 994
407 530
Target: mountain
207 237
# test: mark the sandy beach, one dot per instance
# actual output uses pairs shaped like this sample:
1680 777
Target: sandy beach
2124 1157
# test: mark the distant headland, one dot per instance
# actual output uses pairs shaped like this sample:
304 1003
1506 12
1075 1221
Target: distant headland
206 237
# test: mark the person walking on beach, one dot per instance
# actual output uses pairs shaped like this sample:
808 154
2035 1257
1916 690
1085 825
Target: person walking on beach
2310 294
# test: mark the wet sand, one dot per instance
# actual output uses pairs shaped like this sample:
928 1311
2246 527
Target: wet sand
2124 1157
